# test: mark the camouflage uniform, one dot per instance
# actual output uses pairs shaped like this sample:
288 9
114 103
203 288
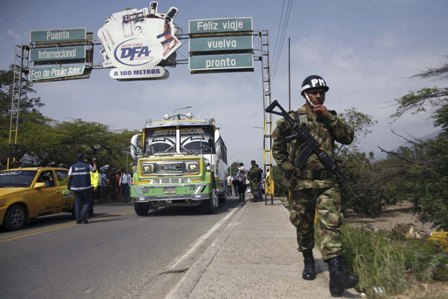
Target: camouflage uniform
255 175
313 188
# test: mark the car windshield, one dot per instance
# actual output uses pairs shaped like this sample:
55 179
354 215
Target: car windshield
17 178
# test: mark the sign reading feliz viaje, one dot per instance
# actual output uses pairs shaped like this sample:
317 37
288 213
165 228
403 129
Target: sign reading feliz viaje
221 45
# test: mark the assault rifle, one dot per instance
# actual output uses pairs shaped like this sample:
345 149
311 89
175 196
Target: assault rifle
302 133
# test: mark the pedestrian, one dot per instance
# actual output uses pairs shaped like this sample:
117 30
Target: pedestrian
261 189
95 182
229 185
235 184
79 182
125 183
241 181
313 188
117 184
255 175
103 185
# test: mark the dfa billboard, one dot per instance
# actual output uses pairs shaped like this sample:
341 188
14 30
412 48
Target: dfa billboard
136 41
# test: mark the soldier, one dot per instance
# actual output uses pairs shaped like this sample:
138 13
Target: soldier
313 188
255 175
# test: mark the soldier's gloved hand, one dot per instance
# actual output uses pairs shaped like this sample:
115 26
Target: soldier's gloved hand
289 168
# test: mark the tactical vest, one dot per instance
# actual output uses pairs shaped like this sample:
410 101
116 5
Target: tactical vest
308 160
80 176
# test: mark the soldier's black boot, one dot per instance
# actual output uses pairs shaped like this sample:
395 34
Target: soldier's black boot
309 269
339 280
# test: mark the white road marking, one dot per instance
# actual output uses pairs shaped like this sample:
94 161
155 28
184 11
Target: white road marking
201 239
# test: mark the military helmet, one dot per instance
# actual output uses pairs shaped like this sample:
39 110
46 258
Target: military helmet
313 81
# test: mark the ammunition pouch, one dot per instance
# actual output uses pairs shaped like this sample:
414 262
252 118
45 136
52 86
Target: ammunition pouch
315 174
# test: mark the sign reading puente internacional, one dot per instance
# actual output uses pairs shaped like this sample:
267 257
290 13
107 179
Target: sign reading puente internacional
221 45
60 54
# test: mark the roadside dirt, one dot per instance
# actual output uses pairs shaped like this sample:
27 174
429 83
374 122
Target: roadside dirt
392 215
401 215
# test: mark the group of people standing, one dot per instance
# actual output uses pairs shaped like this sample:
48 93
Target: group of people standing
88 183
243 178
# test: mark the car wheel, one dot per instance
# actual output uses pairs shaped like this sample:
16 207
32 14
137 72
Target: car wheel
15 218
141 209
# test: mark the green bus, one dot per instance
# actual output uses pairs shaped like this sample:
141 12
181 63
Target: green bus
181 162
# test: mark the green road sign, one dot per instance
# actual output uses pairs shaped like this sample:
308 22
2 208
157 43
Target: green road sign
56 73
219 44
58 54
58 35
211 26
241 62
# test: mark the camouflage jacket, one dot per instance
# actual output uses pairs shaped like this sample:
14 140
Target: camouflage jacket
254 174
325 131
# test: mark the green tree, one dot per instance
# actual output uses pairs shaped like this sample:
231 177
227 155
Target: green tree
427 173
56 143
28 112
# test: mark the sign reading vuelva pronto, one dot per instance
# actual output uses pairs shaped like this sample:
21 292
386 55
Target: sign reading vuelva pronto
222 43
224 62
138 39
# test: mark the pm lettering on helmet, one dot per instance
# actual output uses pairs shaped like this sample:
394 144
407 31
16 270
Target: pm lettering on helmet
317 82
313 81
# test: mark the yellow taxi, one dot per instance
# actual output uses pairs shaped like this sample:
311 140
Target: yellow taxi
30 192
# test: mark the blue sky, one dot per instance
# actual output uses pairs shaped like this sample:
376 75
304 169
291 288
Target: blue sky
365 49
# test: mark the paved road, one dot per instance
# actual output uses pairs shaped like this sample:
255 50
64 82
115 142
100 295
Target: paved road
117 255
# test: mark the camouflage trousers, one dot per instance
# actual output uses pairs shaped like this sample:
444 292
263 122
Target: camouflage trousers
254 190
303 204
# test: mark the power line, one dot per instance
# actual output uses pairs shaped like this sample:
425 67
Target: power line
277 40
284 27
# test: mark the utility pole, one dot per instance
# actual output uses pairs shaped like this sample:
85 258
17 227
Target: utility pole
20 81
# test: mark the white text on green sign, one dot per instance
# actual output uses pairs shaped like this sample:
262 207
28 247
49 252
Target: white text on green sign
225 62
224 43
55 72
58 54
58 35
220 25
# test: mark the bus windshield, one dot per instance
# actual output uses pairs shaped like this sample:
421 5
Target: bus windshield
193 140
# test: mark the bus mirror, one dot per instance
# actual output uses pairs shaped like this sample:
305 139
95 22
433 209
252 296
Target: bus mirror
136 149
211 143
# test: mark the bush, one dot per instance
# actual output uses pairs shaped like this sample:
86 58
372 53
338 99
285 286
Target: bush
387 264
375 260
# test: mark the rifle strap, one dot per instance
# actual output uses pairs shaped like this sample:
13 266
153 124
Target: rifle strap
306 151
300 118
